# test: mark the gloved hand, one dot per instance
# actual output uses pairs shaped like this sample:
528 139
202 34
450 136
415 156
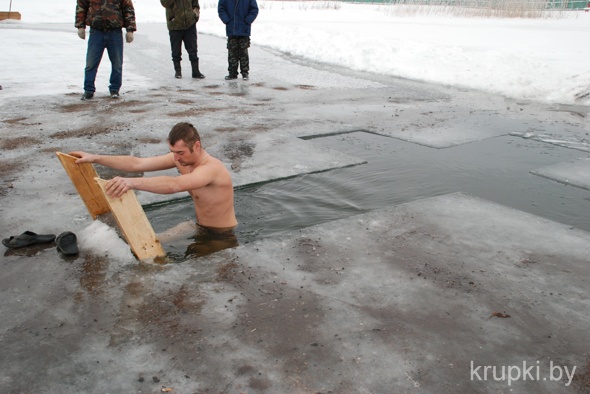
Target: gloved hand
129 37
82 33
197 13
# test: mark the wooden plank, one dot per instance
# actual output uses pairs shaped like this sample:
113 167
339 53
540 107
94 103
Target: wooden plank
9 15
135 226
82 176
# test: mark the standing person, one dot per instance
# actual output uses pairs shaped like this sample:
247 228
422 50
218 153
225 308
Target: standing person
181 18
204 177
238 16
106 19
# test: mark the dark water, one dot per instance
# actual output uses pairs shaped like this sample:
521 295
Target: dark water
396 171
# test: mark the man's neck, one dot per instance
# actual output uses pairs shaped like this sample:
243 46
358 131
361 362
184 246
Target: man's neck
200 158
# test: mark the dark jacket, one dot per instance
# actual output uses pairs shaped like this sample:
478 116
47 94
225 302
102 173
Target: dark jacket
237 15
179 13
105 14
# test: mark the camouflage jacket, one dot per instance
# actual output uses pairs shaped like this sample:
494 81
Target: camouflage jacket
179 13
105 14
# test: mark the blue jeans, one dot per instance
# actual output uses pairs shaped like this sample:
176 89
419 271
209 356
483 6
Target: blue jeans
98 40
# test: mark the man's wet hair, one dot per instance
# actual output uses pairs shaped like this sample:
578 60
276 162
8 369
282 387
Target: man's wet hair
186 132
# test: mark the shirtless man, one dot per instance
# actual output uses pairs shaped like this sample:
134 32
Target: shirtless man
204 177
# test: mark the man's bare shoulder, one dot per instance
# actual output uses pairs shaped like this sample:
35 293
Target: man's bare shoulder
216 161
217 169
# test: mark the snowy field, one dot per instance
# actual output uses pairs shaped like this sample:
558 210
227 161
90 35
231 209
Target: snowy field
543 60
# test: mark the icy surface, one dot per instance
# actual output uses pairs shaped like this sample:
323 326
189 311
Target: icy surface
575 173
535 59
392 300
396 300
98 234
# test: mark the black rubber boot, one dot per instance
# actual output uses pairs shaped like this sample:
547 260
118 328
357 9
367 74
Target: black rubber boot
196 72
177 70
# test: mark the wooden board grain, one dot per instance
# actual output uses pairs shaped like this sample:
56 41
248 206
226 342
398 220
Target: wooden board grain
10 15
82 176
135 226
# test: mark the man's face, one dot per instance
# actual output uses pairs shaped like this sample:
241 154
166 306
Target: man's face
182 153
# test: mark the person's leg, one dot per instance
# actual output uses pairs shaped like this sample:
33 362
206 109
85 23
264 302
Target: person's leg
232 57
182 230
244 44
190 44
209 241
176 37
96 45
114 45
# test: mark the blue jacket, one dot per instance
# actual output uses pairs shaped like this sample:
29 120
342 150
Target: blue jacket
237 15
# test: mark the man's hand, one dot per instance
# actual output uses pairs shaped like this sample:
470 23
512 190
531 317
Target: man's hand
82 33
83 157
117 186
129 37
197 13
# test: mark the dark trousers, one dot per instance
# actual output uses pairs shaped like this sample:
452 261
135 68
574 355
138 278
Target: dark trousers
209 240
237 54
189 37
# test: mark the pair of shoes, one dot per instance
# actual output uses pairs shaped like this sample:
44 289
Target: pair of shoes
26 239
87 96
231 76
114 94
67 243
245 76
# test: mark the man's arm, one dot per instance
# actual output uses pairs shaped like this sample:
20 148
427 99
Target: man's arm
128 163
81 12
252 12
198 178
128 14
222 12
196 9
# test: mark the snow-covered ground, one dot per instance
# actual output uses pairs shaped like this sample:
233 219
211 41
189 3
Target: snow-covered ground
399 299
534 59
